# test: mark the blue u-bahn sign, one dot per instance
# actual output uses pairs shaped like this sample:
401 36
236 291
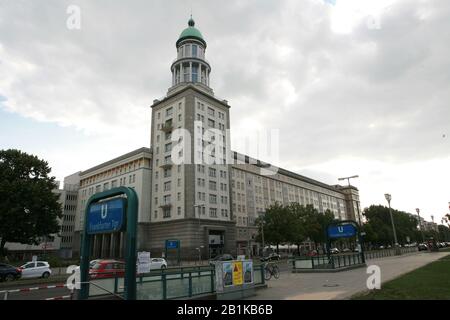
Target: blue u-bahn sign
172 244
341 231
107 216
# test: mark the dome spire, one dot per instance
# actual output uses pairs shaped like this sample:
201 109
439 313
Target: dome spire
191 22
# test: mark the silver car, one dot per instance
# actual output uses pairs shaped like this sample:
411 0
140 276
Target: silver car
36 269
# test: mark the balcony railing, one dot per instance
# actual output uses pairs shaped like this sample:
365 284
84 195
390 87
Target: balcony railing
167 127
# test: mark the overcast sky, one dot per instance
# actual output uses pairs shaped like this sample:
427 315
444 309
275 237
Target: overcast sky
354 86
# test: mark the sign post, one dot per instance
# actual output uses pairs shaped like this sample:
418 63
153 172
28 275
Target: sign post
106 215
173 244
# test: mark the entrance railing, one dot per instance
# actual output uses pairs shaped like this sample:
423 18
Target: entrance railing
327 262
172 283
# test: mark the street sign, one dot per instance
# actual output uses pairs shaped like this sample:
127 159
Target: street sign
341 231
172 244
107 216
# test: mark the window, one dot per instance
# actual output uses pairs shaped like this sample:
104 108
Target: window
187 49
166 213
212 185
179 183
210 112
168 147
179 196
213 212
105 186
179 211
159 115
166 199
157 138
194 73
167 173
113 184
167 186
179 117
211 123
156 187
156 200
212 199
168 136
194 50
212 172
169 112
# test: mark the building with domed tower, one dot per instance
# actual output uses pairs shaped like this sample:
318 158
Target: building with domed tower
190 185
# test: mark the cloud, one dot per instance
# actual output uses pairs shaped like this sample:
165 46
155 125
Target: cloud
358 81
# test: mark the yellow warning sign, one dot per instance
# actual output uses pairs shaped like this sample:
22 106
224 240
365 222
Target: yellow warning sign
237 273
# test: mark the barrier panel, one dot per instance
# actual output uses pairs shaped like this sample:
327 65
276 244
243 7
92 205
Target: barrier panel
173 283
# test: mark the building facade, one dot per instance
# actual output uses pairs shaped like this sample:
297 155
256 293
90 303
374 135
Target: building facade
191 186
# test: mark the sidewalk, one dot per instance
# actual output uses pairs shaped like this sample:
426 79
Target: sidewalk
340 285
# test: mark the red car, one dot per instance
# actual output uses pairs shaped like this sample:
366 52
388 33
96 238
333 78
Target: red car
107 269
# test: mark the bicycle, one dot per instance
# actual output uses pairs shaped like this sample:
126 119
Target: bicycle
271 269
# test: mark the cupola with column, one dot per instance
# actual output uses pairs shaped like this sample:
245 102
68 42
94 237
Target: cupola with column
190 66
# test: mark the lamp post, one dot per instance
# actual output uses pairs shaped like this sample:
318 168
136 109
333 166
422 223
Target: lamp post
199 231
388 198
261 216
420 225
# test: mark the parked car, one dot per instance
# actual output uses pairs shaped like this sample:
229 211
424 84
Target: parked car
422 247
9 273
334 250
107 269
271 257
347 250
222 257
36 269
158 264
312 253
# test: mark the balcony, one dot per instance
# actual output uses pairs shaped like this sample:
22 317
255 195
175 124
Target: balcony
167 127
166 164
166 205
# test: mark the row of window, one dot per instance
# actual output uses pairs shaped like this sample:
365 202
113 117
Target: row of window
167 185
71 197
69 207
67 228
66 239
191 50
114 172
114 183
201 196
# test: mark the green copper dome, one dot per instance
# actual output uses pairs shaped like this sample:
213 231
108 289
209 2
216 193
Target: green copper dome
191 33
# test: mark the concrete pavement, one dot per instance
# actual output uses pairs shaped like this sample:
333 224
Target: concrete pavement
340 285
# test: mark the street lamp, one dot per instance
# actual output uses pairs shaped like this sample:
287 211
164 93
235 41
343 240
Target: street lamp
388 198
200 254
199 231
357 204
420 225
261 222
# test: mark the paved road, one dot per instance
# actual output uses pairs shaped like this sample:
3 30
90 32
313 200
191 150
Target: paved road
35 294
340 285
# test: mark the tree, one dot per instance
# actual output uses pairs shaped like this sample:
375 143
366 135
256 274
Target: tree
29 208
378 227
